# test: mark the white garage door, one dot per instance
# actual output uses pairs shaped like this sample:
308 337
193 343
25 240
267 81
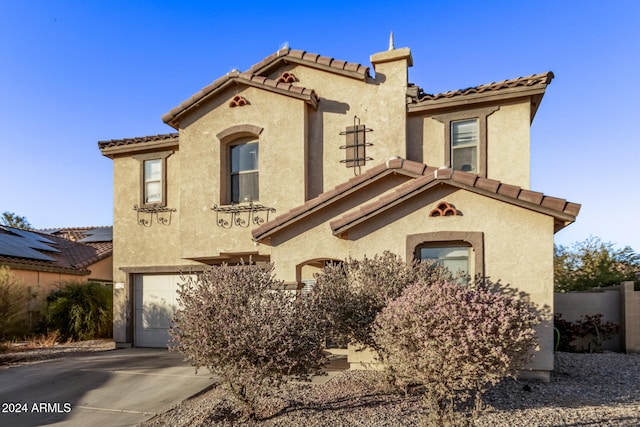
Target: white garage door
155 304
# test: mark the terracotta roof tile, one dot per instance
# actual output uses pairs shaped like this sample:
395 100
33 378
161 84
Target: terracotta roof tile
308 95
553 203
562 211
350 69
542 79
487 184
465 178
136 140
509 190
531 196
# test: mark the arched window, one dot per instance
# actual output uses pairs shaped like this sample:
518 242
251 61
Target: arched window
239 164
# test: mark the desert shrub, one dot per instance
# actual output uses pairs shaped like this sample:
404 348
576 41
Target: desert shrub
589 332
455 341
14 297
239 323
80 311
354 292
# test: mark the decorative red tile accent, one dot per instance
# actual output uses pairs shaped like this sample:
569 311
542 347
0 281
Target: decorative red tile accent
238 101
444 209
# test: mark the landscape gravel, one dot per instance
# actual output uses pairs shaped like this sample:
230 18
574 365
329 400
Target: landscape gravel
601 389
586 390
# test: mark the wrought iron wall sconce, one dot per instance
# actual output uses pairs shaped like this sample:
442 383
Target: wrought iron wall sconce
160 213
241 215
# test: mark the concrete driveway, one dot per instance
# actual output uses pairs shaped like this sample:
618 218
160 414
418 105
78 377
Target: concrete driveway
115 388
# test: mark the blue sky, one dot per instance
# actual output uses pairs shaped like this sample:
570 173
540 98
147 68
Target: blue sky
73 73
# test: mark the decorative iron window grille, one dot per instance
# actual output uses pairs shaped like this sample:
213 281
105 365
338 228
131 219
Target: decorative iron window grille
356 146
160 212
241 215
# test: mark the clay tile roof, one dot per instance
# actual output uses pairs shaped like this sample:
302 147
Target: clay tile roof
394 165
113 143
349 69
564 212
422 178
69 257
542 79
245 78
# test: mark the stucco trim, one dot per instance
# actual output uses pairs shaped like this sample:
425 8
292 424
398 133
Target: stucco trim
239 131
175 269
474 238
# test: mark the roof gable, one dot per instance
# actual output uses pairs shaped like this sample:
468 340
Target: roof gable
286 56
422 178
173 117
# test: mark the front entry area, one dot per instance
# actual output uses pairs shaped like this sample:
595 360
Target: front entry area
155 302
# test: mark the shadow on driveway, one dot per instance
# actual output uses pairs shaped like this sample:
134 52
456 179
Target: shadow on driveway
114 388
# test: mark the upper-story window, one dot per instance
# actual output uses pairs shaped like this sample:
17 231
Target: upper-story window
244 177
152 181
153 178
464 145
465 139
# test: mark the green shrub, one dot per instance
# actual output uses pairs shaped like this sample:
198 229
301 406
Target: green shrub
455 341
239 323
80 311
14 297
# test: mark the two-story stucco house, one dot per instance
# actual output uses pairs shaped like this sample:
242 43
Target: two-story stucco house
304 159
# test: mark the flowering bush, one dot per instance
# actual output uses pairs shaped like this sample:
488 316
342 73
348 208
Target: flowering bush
239 323
355 291
454 341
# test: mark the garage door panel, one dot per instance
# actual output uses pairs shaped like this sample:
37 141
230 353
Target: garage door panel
155 304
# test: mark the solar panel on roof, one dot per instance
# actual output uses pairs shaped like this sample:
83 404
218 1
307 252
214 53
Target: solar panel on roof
104 234
28 235
15 246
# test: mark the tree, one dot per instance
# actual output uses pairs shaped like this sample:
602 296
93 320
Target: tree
16 221
238 322
593 263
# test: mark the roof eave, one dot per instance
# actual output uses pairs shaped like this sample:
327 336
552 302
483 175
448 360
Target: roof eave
173 117
476 98
112 152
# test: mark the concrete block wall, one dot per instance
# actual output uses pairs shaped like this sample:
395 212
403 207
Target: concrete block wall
618 304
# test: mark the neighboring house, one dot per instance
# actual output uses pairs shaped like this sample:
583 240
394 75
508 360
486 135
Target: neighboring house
44 259
304 159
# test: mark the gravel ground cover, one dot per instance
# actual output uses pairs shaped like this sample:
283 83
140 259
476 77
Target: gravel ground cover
30 352
586 390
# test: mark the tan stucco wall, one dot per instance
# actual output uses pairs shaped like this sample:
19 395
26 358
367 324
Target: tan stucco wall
508 142
508 145
299 159
518 245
